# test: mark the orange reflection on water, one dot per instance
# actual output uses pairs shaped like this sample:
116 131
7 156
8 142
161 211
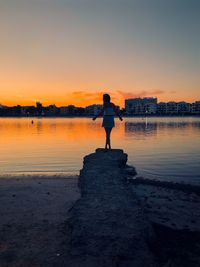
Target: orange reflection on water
18 135
45 129
154 145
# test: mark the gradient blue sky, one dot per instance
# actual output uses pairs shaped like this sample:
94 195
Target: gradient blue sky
71 51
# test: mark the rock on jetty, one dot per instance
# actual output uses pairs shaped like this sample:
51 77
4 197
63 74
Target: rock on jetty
108 225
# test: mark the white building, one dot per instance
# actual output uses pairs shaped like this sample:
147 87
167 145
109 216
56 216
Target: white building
195 108
162 108
137 106
172 108
183 107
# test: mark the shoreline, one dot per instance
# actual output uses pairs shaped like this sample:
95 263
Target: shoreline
179 186
41 175
124 116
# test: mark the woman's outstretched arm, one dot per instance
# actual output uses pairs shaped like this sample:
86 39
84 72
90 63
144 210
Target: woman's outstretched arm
117 113
99 114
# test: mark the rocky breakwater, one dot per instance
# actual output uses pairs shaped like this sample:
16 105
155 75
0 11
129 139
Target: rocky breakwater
108 226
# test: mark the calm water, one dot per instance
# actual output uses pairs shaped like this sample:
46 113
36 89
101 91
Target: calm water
161 148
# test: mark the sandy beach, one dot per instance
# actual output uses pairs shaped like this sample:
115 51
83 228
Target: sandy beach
33 211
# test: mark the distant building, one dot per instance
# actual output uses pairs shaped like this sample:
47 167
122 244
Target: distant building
183 107
150 105
134 106
93 109
137 106
195 107
3 110
25 110
39 108
39 105
16 110
52 110
2 107
162 108
172 108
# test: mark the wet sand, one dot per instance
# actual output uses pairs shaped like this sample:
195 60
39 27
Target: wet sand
33 211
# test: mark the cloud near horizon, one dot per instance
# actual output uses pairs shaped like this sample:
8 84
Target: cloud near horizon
85 98
144 93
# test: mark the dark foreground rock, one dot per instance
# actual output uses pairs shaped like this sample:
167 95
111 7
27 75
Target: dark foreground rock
108 225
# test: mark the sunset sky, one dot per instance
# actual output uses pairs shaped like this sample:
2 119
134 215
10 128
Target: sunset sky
72 51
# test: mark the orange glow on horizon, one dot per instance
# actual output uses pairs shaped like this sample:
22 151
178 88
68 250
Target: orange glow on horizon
84 98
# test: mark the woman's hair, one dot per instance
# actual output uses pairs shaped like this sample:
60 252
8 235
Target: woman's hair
106 98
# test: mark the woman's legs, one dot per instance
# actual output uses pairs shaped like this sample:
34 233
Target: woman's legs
108 132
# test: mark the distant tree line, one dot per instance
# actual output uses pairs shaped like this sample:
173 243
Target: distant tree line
40 110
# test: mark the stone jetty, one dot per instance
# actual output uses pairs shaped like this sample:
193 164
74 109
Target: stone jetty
108 225
122 221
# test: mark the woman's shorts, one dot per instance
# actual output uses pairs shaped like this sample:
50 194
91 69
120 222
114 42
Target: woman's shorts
108 122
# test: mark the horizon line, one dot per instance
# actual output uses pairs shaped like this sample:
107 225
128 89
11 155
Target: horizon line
54 104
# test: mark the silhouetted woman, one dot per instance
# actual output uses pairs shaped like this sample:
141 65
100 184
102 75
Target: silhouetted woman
108 111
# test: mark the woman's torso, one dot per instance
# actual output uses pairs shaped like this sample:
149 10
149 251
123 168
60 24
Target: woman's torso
109 110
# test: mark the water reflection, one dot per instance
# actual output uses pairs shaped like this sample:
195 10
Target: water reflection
139 128
158 147
148 127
